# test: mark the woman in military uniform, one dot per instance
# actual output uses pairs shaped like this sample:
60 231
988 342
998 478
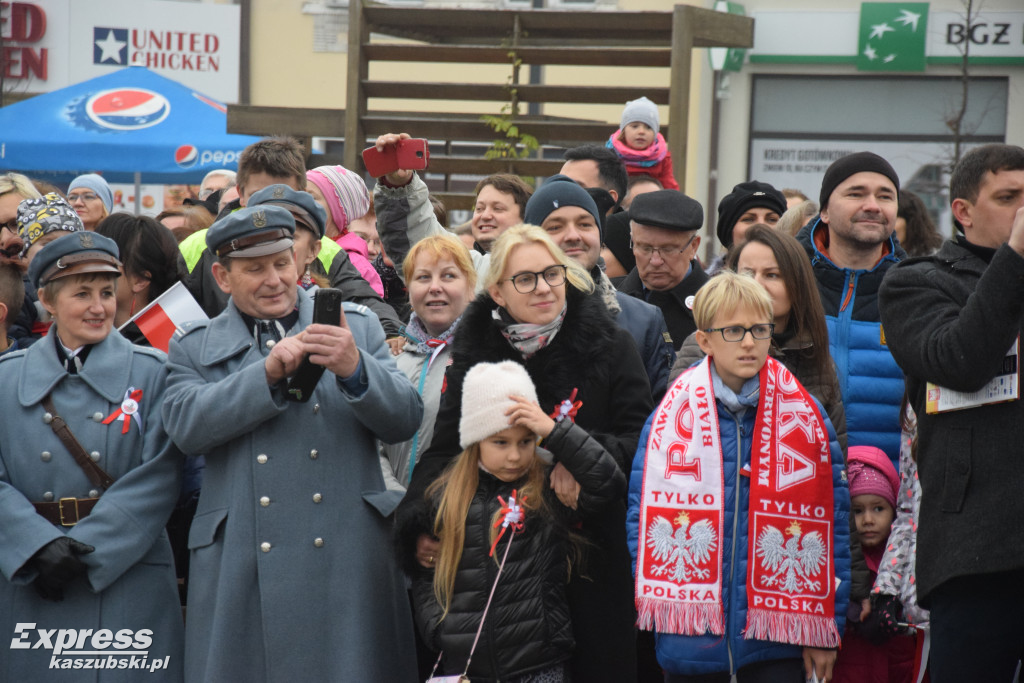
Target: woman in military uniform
87 580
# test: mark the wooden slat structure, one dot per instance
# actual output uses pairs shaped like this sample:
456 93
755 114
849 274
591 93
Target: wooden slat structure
640 40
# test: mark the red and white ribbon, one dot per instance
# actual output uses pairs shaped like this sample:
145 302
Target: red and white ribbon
128 411
511 516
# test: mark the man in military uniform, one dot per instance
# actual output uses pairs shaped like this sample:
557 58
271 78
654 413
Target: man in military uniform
292 575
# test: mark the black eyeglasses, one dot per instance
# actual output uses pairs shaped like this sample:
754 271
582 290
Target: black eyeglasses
736 333
526 281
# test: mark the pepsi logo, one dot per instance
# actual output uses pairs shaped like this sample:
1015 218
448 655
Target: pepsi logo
127 108
186 156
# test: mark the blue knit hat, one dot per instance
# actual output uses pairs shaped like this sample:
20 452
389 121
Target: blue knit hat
98 185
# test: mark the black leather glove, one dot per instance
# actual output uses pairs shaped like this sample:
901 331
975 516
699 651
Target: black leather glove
882 623
58 563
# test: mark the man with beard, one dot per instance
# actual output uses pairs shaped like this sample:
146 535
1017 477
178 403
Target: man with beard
851 248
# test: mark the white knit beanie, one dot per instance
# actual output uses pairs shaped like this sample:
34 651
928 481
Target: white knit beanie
642 110
485 398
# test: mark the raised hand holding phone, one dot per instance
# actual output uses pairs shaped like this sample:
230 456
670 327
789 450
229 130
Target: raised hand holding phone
395 156
324 343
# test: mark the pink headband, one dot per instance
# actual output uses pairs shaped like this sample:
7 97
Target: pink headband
345 192
871 473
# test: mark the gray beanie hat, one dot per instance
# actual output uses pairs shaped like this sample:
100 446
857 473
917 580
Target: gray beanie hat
98 185
485 398
642 110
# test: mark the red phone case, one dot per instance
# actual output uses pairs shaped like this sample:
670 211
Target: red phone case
409 154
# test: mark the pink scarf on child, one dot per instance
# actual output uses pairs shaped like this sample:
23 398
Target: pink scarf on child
651 156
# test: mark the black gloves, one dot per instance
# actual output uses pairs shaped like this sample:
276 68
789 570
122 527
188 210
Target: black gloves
58 563
883 621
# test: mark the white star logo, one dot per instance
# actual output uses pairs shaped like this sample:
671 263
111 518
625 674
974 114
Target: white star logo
869 52
879 30
908 18
889 58
111 48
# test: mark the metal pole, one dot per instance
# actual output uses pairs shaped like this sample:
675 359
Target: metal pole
138 193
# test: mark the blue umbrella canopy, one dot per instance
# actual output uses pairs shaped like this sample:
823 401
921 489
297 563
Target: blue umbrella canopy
128 122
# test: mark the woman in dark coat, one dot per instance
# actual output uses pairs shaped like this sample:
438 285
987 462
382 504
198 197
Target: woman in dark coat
586 365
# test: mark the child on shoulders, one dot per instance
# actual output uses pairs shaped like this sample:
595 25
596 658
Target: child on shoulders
639 144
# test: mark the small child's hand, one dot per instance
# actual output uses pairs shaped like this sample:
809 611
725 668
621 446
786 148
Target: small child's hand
531 416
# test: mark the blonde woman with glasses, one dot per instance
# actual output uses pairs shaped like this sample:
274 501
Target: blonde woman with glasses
538 308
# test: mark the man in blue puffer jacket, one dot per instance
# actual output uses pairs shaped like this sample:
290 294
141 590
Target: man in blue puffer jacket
725 485
851 247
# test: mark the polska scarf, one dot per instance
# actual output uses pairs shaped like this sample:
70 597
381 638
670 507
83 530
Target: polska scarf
790 579
654 154
527 338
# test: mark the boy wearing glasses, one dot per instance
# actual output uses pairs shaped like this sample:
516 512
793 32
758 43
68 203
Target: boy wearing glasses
738 517
664 239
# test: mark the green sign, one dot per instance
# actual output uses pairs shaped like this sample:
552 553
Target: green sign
892 36
727 58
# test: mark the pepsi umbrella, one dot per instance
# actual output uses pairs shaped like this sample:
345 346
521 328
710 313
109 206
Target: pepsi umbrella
129 125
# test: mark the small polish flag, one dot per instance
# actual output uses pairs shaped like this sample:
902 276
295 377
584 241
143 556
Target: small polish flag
158 321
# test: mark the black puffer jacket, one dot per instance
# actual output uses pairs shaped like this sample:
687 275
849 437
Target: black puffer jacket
528 627
592 354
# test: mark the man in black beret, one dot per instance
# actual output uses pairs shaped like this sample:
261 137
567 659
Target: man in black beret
663 230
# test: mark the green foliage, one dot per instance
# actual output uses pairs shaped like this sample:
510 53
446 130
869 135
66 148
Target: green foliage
512 143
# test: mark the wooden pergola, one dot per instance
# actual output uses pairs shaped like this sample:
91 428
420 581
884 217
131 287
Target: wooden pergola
638 40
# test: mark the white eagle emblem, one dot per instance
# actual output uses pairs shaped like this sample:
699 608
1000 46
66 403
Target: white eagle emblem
683 549
794 561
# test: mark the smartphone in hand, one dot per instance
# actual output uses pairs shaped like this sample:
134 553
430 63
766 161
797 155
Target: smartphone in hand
326 311
411 154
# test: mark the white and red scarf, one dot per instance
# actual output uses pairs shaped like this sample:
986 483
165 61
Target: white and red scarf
791 565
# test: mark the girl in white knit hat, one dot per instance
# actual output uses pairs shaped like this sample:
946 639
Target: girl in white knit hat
501 527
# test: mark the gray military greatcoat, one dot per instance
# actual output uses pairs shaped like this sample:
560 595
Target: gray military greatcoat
292 573
130 582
